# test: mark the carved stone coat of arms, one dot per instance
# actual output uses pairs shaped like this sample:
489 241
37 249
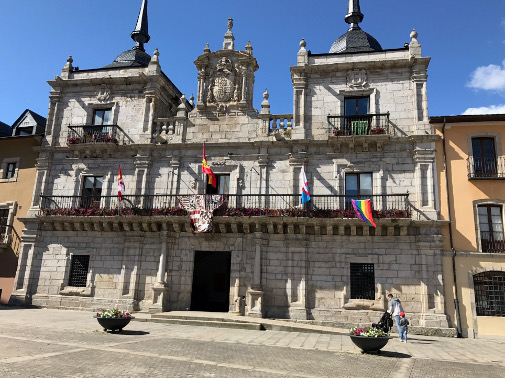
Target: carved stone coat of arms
223 87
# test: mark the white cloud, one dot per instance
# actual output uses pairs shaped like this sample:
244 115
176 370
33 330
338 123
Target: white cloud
490 78
493 109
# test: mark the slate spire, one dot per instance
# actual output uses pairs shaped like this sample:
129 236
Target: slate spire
141 35
354 15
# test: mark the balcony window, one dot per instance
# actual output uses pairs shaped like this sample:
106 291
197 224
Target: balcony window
484 157
489 288
356 111
356 106
102 117
222 187
357 186
491 228
362 281
91 191
78 271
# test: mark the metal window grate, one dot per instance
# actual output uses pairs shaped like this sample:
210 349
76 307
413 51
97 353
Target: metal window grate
362 281
79 270
489 290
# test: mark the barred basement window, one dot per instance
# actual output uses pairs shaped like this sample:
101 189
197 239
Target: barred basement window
362 281
489 290
78 270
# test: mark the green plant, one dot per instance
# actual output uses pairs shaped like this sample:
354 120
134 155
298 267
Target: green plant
113 313
367 332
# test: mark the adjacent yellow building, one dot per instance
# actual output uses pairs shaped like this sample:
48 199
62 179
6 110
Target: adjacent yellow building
17 178
471 187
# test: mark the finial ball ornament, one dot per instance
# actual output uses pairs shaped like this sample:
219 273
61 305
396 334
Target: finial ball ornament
303 43
413 34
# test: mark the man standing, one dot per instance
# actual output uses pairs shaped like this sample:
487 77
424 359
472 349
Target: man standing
395 308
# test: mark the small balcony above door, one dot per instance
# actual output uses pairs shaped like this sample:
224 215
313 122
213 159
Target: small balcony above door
358 125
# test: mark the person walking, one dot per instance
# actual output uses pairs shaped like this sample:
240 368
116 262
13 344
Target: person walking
395 307
404 327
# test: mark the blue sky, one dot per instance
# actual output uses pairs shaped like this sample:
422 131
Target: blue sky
465 39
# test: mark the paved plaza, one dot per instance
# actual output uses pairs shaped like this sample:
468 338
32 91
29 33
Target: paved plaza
63 343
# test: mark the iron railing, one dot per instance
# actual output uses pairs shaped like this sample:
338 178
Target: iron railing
363 124
492 241
384 206
486 167
97 134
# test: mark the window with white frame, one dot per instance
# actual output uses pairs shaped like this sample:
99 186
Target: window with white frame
490 218
9 170
7 213
484 157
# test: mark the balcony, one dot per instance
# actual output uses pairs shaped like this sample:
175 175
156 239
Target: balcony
483 168
9 238
287 205
272 214
357 125
97 134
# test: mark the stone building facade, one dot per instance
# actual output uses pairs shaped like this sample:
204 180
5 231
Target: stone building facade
359 129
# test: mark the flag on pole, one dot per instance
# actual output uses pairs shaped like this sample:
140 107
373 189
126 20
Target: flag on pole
363 210
305 187
206 169
120 185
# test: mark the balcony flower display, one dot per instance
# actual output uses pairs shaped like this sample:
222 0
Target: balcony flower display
377 130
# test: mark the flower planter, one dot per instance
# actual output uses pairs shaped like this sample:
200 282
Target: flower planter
370 344
113 324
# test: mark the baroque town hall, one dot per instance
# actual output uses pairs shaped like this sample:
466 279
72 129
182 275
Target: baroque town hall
359 129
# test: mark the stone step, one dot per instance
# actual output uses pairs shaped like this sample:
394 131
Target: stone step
238 323
217 323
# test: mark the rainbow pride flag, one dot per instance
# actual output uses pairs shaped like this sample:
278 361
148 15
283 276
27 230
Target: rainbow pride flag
363 210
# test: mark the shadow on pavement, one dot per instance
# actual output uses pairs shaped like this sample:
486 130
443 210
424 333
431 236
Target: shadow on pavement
127 332
385 353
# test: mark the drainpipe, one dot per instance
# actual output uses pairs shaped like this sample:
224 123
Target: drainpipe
456 302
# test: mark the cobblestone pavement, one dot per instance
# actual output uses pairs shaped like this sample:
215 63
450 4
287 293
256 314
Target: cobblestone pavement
58 343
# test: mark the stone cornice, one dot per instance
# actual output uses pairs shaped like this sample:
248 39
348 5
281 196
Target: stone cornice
346 65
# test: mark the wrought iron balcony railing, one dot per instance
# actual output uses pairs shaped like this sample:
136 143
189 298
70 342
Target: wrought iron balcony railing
97 134
364 124
320 206
492 241
486 167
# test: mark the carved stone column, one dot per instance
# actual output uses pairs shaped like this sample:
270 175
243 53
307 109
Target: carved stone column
160 288
22 290
255 293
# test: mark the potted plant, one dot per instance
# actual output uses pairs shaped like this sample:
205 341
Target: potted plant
369 339
113 319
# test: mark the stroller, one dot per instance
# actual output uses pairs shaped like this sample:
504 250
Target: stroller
385 323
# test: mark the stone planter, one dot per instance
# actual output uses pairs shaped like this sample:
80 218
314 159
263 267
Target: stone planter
113 324
370 344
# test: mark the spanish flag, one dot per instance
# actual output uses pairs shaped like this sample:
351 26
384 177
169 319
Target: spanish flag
363 210
206 169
